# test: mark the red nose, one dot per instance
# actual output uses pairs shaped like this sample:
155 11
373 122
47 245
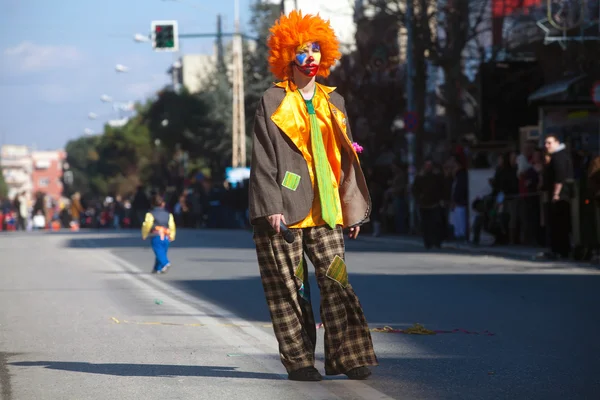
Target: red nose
310 59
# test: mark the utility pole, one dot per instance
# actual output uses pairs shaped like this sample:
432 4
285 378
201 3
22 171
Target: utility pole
239 114
410 108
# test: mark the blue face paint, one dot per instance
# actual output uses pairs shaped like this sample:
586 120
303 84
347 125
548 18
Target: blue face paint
301 58
316 47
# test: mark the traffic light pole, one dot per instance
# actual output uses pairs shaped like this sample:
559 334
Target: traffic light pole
238 158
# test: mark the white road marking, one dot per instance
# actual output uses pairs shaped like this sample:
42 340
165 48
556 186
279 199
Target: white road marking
266 343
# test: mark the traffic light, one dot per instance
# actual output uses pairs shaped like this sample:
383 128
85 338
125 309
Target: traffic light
164 36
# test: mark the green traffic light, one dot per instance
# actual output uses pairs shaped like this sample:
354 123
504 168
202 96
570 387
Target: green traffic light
164 37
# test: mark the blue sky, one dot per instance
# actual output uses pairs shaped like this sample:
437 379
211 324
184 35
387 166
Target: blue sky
58 57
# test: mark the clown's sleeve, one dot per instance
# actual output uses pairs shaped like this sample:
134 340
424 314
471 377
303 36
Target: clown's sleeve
172 228
264 191
147 225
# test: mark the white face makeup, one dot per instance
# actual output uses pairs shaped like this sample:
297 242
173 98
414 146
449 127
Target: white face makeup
308 58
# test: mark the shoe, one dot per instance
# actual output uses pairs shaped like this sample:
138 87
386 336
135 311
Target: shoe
164 269
359 373
306 374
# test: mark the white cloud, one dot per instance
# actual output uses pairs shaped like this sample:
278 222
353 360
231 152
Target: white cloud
28 56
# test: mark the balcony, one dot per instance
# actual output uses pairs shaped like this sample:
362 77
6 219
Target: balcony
24 163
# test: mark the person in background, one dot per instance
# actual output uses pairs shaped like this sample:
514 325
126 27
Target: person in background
428 196
377 193
5 210
160 225
459 200
140 205
528 201
76 209
593 175
118 212
560 192
22 209
397 196
448 176
537 163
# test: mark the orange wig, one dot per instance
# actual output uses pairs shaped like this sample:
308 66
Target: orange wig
294 30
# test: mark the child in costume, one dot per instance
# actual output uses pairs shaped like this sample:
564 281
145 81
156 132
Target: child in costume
160 225
306 173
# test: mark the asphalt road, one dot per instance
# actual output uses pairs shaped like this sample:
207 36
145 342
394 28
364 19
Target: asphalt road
83 318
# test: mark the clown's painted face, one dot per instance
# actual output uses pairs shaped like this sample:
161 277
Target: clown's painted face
308 58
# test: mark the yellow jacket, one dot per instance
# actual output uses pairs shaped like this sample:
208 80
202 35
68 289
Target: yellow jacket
148 227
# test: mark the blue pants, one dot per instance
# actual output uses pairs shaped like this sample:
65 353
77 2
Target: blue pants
160 248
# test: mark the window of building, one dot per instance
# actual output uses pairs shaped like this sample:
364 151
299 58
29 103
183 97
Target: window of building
43 182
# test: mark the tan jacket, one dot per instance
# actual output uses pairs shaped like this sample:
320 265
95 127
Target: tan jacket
274 154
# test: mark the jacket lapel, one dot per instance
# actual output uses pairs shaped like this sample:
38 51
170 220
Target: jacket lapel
340 121
292 124
286 118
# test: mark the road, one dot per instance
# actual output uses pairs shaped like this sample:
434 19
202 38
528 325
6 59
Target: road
83 318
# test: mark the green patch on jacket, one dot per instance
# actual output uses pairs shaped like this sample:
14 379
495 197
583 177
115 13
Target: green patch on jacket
291 181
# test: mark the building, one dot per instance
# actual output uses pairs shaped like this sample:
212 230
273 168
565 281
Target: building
32 171
47 172
17 168
339 12
196 71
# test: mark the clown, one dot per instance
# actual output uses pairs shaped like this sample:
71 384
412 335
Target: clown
305 173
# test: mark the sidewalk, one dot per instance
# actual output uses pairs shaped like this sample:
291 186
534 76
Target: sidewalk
520 252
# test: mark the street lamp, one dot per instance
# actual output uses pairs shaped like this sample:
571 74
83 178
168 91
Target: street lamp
138 37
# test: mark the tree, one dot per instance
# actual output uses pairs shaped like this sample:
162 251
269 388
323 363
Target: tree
145 149
82 157
257 76
442 31
370 80
197 123
3 185
112 163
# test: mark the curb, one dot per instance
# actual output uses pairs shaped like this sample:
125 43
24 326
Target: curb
484 250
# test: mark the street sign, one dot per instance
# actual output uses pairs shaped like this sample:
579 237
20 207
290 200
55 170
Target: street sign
410 120
596 93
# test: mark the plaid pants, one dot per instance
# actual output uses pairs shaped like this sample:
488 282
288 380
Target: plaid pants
284 276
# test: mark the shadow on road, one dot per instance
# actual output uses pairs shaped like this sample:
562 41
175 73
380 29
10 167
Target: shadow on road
155 370
541 322
224 239
446 301
242 239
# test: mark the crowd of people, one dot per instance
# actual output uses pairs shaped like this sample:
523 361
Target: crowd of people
529 203
519 209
